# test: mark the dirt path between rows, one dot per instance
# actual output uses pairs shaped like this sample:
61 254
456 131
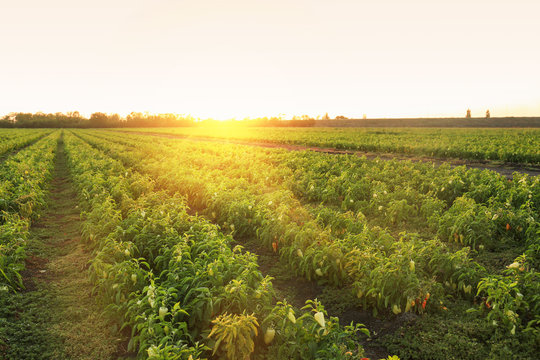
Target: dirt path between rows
57 316
504 169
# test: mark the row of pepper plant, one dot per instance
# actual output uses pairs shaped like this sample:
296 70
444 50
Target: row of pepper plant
508 145
467 209
475 209
11 140
386 272
25 176
177 282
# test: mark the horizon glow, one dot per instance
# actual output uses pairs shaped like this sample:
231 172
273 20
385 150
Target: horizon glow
255 58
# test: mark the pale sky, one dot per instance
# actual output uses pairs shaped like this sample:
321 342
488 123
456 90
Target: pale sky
223 59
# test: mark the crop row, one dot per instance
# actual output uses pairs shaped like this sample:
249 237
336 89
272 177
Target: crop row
174 279
508 145
9 134
10 140
479 209
471 207
25 177
237 188
240 192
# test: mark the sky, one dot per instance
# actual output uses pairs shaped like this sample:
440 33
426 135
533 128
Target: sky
251 58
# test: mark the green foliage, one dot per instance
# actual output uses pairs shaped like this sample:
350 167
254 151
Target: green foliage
305 337
233 335
397 235
168 275
508 145
512 299
24 326
457 333
22 196
338 240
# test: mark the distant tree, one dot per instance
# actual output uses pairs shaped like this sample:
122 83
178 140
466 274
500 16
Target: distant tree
25 120
98 120
7 121
135 119
341 117
364 116
74 114
468 116
488 115
326 117
114 118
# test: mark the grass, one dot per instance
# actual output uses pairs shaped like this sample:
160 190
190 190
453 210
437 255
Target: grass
456 334
24 326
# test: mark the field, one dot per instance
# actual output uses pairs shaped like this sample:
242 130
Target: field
519 146
225 244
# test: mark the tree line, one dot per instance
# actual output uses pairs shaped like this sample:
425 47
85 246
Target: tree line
135 119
